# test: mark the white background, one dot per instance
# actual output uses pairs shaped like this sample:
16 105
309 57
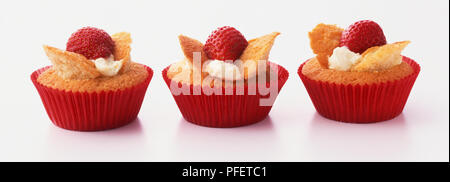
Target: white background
292 132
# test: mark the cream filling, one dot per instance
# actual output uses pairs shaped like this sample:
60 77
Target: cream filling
108 67
343 59
223 70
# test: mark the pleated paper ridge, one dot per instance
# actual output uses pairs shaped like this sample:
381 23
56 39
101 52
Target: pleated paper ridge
83 111
224 111
361 103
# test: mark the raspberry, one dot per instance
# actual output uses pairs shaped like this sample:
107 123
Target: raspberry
362 35
91 42
225 43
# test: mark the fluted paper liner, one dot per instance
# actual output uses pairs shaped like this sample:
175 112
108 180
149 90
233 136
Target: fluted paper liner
361 103
225 111
83 111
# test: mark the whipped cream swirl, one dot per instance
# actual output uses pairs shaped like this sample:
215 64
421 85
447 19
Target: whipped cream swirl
343 59
108 67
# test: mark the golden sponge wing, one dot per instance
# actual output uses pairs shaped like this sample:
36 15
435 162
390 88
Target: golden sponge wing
189 46
70 65
380 58
122 48
323 40
258 49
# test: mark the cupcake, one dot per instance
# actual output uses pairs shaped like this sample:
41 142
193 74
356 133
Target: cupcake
93 84
356 75
228 81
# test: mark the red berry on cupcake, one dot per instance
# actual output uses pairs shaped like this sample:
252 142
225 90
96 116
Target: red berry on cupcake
225 43
91 42
362 35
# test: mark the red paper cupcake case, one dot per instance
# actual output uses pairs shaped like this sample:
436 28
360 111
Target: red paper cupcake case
361 103
82 111
224 111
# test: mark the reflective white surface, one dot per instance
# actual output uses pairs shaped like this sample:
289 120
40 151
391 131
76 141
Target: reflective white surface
292 132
